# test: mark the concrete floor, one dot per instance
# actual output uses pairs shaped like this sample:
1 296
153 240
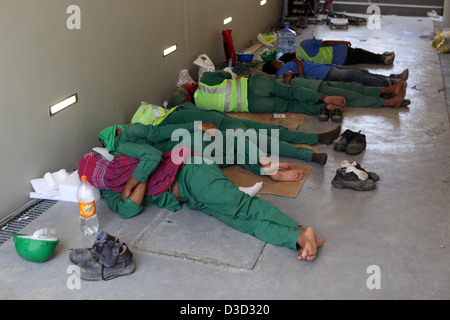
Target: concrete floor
400 227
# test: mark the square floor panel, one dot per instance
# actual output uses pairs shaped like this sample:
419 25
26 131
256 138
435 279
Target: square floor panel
193 235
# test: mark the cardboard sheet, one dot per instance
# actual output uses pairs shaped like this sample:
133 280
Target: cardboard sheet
287 119
244 178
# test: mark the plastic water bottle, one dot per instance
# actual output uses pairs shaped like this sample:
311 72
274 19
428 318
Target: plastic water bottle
286 40
86 204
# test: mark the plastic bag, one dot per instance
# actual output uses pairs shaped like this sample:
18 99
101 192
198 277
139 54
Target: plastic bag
268 39
205 64
184 78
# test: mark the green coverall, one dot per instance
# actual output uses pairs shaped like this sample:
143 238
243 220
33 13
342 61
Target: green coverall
200 185
160 138
188 113
267 95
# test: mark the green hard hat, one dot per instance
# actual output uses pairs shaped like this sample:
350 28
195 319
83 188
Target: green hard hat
34 249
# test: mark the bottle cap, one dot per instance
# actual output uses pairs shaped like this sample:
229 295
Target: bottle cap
83 178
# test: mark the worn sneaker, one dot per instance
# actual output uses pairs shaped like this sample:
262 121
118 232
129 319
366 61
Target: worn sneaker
357 144
96 270
350 180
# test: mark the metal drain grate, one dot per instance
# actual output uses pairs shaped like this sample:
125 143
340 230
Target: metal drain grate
21 220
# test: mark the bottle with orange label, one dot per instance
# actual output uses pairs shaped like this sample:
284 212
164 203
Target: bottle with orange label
86 204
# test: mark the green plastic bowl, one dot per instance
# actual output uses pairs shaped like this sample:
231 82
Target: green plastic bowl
34 250
268 56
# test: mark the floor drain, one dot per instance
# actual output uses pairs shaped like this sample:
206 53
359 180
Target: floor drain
22 219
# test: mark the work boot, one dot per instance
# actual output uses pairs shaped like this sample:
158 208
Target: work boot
337 115
324 114
343 142
350 180
372 175
357 144
82 255
121 265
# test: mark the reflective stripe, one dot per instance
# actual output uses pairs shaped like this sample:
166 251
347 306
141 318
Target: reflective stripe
205 89
228 96
226 107
226 91
238 95
156 111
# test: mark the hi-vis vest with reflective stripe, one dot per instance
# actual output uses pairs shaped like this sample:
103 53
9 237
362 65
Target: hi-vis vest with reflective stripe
325 55
229 96
150 114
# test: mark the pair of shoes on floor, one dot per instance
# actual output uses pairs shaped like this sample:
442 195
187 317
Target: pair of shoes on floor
336 115
352 143
105 260
352 176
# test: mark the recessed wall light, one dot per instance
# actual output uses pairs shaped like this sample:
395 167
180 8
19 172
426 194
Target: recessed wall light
263 2
227 20
63 104
169 50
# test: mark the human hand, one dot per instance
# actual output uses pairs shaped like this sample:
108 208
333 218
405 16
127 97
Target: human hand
208 127
335 100
288 75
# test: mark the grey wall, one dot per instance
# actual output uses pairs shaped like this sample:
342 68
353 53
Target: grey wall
113 62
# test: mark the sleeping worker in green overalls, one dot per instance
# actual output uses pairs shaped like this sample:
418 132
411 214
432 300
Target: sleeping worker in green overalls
198 184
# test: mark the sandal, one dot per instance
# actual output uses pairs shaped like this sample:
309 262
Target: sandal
337 115
324 114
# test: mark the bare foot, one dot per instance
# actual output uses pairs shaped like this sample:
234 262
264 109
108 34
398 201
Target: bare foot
396 88
284 166
396 101
308 242
287 175
273 166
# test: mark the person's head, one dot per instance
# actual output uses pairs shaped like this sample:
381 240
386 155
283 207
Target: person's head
272 67
107 136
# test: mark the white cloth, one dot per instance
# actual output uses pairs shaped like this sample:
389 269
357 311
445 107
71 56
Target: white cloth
351 167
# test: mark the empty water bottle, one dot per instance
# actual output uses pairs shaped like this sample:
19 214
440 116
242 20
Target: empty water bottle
286 40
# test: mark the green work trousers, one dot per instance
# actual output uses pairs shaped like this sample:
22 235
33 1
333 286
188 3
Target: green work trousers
188 113
267 95
302 95
205 187
354 93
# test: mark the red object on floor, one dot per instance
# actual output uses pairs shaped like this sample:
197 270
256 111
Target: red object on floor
228 45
